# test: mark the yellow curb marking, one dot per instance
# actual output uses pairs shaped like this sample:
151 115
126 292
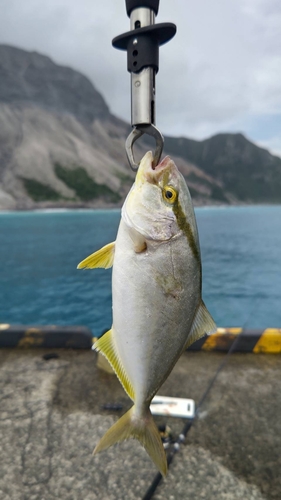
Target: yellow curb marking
220 338
32 337
269 342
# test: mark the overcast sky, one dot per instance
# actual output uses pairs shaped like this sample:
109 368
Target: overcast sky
221 72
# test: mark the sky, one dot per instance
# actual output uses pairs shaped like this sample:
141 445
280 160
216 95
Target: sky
221 72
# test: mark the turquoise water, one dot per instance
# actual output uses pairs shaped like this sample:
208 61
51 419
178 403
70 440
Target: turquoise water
39 252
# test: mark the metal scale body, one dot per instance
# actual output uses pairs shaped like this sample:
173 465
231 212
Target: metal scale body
142 45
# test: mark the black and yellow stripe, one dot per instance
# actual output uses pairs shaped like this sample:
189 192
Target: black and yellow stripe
21 336
80 337
256 341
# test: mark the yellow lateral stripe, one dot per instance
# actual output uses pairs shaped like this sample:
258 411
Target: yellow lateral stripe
215 339
269 342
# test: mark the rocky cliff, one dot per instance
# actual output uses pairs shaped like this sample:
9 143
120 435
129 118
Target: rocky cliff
61 146
249 173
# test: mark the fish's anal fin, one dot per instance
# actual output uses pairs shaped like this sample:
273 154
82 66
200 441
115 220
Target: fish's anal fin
102 258
143 429
203 324
106 346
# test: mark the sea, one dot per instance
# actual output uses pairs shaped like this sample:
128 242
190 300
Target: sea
40 250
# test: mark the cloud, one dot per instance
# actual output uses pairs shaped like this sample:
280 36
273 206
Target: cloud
220 73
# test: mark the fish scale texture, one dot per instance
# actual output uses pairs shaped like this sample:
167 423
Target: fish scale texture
50 421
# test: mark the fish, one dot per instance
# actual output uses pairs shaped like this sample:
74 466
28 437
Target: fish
158 309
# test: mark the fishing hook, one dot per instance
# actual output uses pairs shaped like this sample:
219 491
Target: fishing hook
136 133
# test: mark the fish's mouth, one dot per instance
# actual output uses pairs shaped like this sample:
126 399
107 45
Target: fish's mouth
164 163
148 173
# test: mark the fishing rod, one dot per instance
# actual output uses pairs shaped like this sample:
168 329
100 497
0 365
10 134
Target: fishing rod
186 428
142 45
181 437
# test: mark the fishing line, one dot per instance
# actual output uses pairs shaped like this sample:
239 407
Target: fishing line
181 437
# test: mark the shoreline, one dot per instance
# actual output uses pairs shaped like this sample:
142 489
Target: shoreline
61 210
83 207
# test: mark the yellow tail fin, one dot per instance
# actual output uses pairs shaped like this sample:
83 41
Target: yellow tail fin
143 429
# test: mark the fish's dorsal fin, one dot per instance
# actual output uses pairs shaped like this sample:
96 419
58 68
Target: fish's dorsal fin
203 323
102 258
106 346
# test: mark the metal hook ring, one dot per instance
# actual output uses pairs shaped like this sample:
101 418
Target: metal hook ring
136 133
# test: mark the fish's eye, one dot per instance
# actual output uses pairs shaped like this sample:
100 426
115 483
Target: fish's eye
169 194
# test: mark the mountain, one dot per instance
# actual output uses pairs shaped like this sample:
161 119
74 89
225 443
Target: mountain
61 146
249 173
29 77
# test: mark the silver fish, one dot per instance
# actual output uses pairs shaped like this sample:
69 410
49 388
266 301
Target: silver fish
156 288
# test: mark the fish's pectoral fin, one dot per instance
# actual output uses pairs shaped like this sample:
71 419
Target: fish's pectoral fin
138 240
102 258
143 429
106 346
203 324
140 247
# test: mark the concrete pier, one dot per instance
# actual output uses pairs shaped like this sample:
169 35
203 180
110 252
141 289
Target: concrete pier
51 418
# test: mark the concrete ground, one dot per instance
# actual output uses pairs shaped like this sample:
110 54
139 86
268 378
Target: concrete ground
51 419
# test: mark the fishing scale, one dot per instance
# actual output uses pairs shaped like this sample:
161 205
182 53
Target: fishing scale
142 45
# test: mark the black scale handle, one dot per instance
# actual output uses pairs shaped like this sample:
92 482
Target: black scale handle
149 38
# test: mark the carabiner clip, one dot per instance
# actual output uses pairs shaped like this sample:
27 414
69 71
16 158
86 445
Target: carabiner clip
136 133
